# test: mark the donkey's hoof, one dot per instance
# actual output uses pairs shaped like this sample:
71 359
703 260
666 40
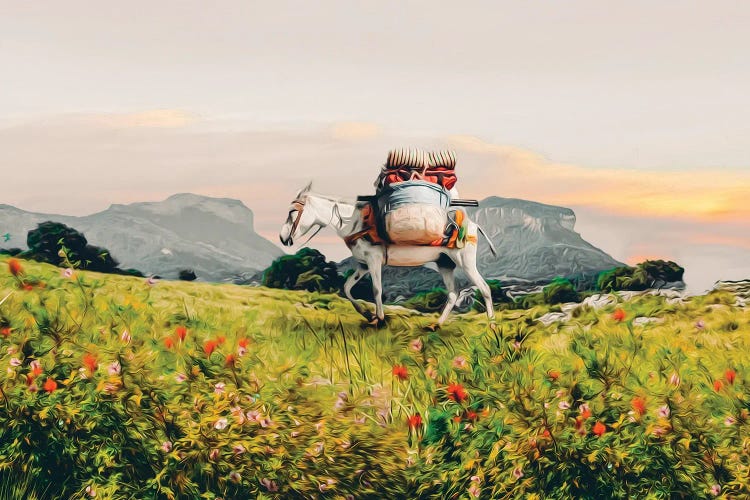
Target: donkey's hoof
432 327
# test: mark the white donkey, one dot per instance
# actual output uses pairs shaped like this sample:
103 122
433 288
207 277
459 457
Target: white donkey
311 211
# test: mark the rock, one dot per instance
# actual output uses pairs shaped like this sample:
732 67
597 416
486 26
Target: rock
553 317
641 321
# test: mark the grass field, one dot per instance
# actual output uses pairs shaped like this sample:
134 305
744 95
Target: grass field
118 388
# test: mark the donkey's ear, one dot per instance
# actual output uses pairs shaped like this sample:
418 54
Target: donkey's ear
305 189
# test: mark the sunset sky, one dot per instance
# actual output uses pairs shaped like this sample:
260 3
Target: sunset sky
635 115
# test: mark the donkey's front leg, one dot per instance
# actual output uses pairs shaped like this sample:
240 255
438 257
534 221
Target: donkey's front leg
375 265
357 275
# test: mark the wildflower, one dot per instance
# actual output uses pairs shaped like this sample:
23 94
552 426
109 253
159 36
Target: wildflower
326 485
639 405
599 429
319 447
219 388
33 387
235 476
241 351
114 368
15 362
125 337
459 363
36 368
221 424
563 405
5 331
730 375
253 415
213 454
265 422
221 339
518 472
663 412
152 280
15 267
238 449
166 446
82 373
659 431
400 372
209 347
416 345
585 411
66 273
730 421
50 385
27 287
553 375
700 324
415 421
718 385
474 490
243 342
90 362
674 379
269 485
90 491
168 342
181 333
457 393
229 360
618 315
431 372
716 490
471 415
180 378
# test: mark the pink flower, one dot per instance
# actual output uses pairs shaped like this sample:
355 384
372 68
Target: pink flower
729 421
221 424
238 449
674 379
180 378
563 405
213 454
15 362
475 490
518 472
90 491
416 345
716 490
114 368
253 415
166 446
219 388
235 476
459 363
151 281
431 372
269 485
66 273
663 412
125 337
241 351
700 324
326 485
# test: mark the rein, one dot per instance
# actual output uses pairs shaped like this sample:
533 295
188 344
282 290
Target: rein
299 205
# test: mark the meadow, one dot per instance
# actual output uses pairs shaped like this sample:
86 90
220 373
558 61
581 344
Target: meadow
121 387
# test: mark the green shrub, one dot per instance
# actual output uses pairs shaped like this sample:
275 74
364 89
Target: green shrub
559 291
305 270
430 301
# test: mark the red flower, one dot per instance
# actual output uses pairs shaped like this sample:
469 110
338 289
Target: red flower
27 287
181 332
457 393
89 361
5 331
553 375
220 339
230 360
15 267
599 429
471 415
639 405
36 368
50 385
415 421
210 346
718 385
244 342
400 372
618 315
169 342
730 375
586 413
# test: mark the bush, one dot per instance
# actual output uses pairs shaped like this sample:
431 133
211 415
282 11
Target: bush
10 251
305 270
623 278
187 275
430 301
559 291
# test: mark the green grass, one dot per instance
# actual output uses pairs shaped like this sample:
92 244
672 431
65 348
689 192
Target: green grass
329 419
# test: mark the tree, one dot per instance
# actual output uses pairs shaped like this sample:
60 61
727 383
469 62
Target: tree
560 290
305 270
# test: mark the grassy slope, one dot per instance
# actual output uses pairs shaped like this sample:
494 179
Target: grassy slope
318 340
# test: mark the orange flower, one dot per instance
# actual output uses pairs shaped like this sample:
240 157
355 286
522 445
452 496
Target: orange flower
50 385
220 340
415 421
181 332
457 393
471 415
27 287
599 429
168 342
718 385
210 346
730 375
553 375
585 412
639 405
5 331
89 361
400 372
15 267
36 368
230 360
244 342
618 315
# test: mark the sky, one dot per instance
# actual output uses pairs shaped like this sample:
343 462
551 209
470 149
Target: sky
633 114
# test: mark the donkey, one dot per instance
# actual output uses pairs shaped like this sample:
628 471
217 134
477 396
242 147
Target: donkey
311 211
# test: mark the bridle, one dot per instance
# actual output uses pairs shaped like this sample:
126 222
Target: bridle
299 205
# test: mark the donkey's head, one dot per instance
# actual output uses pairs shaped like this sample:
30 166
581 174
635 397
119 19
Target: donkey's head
299 221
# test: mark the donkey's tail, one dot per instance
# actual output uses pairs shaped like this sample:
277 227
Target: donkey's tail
489 241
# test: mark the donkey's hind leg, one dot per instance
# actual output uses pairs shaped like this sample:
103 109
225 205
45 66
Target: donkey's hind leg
359 273
449 278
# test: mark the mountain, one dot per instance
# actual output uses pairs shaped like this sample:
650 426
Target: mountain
212 236
535 243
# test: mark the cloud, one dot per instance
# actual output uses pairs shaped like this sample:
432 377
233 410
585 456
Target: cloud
155 118
355 131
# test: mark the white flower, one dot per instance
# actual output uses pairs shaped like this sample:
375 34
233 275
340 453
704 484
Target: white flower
221 424
90 491
15 362
114 368
166 446
219 388
241 351
125 337
663 412
716 490
563 405
416 345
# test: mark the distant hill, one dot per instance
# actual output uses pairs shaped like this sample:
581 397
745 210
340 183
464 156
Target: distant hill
535 243
212 236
